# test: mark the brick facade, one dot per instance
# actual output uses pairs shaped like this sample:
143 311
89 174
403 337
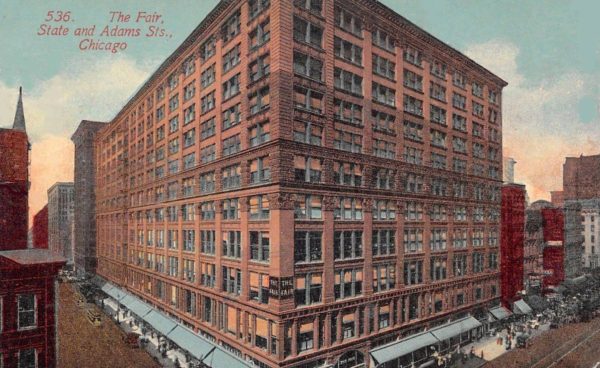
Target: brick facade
40 229
513 240
327 219
581 177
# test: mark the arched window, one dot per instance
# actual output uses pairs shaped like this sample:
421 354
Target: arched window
350 359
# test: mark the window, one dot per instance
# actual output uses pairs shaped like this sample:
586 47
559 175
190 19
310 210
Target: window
207 128
384 178
413 272
384 210
315 6
259 207
437 240
189 114
308 207
348 112
187 212
27 358
459 79
208 76
259 134
231 87
207 182
414 183
438 69
231 116
347 81
259 68
382 39
439 186
459 122
207 242
308 99
231 209
305 336
477 109
207 49
260 171
207 102
308 66
207 274
384 95
259 245
347 141
413 131
231 177
160 93
348 283
231 145
173 266
348 209
413 105
384 67
173 236
308 288
347 244
383 121
493 97
384 277
259 287
307 32
493 261
348 51
477 237
477 262
438 115
260 35
189 66
189 138
384 316
459 101
173 81
189 91
231 27
345 173
259 100
207 154
348 22
438 212
307 246
413 211
232 280
232 244
477 89
413 56
477 130
460 265
383 242
27 311
174 124
255 7
413 240
231 59
459 238
307 132
384 149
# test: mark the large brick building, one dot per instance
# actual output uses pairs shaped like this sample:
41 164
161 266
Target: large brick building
14 181
304 181
27 276
85 197
513 241
60 215
39 229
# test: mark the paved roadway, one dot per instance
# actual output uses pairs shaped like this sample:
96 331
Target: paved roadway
571 346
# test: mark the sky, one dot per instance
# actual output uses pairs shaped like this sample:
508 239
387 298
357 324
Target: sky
547 50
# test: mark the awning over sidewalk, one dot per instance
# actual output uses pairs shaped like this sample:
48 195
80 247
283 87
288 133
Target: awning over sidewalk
160 322
520 307
190 342
114 292
455 328
400 348
500 312
136 306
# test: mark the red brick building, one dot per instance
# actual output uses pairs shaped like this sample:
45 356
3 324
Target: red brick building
581 177
14 182
40 229
304 181
513 240
557 198
554 251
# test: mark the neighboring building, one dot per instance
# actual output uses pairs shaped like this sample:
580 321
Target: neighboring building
512 250
509 170
573 241
557 198
14 181
60 215
301 208
581 177
29 307
590 217
40 229
28 285
533 254
554 255
85 197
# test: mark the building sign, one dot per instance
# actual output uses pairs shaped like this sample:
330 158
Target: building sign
281 287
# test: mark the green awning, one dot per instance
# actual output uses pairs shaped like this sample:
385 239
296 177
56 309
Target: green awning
160 322
500 312
455 328
400 348
520 307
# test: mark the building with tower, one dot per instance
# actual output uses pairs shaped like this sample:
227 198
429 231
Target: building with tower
305 182
28 304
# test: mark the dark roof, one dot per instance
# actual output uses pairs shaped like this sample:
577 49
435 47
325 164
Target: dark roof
87 125
32 256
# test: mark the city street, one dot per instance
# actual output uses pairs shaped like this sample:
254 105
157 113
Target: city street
570 346
83 345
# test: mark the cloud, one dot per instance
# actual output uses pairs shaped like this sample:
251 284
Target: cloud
92 89
541 123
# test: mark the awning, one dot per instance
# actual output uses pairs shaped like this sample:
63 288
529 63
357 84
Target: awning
136 306
500 312
520 307
190 342
400 348
114 292
221 358
160 322
455 328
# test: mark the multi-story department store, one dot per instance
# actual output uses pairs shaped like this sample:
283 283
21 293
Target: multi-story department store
304 181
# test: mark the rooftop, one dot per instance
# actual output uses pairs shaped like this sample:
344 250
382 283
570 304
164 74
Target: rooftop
32 256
